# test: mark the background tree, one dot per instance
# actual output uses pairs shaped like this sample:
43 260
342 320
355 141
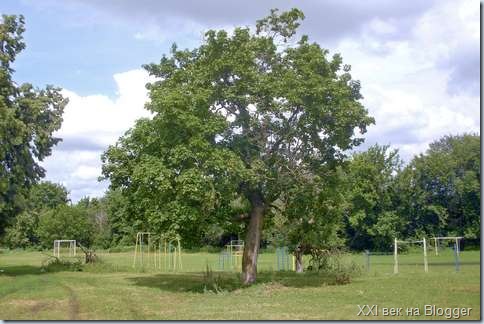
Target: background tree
41 197
65 222
308 217
232 119
372 221
117 208
440 190
97 212
47 194
28 117
23 232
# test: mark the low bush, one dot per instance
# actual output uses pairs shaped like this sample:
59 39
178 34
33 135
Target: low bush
54 264
333 264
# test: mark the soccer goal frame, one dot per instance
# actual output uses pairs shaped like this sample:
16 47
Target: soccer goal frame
72 247
450 238
395 253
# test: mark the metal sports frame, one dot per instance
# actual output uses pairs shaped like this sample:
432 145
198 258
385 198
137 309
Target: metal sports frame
72 247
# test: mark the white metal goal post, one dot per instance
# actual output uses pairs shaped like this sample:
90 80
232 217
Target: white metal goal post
451 238
395 253
72 247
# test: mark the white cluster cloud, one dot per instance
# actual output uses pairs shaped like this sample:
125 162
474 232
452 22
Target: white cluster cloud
409 83
91 123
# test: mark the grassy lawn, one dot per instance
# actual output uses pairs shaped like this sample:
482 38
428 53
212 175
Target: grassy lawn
114 290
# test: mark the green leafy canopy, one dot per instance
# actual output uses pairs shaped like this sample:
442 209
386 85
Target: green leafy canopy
28 118
241 115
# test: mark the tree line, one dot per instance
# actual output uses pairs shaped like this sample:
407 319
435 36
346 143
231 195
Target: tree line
367 202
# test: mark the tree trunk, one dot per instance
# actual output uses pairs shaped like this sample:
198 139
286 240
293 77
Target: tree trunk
252 240
299 260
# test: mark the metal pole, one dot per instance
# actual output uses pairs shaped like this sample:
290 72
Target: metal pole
367 253
170 255
165 255
149 243
286 259
174 257
285 262
436 247
277 259
180 265
283 255
159 255
135 250
232 262
426 266
395 257
141 248
456 256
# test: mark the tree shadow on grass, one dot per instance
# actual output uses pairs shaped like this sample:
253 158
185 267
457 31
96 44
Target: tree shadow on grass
200 282
13 271
21 270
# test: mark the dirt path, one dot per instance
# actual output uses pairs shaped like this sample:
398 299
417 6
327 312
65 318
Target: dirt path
36 308
73 302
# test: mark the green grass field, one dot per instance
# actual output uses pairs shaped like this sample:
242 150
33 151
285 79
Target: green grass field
114 290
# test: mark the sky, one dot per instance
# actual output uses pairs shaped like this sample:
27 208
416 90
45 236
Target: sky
418 63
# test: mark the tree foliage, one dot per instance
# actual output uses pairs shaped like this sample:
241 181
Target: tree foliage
372 221
97 211
440 190
23 232
28 117
119 217
65 222
41 197
233 118
436 194
309 216
47 194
